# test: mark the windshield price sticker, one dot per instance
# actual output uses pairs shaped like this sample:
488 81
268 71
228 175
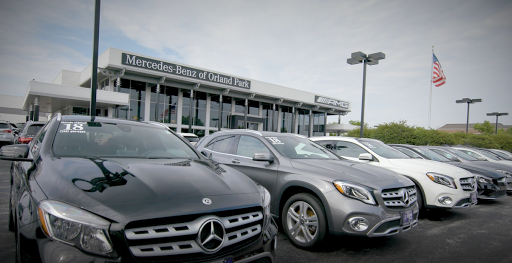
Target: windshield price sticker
72 127
274 140
369 145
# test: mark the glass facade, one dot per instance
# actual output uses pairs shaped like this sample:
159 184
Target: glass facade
286 119
303 122
164 104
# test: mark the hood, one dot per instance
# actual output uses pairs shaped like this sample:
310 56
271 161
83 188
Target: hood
330 170
475 169
493 165
405 166
134 189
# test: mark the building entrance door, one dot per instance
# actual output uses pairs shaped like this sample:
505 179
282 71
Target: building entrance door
253 126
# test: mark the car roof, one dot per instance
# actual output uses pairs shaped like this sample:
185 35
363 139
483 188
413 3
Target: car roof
84 118
257 133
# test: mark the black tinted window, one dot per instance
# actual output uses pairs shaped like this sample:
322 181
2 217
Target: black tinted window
4 126
34 129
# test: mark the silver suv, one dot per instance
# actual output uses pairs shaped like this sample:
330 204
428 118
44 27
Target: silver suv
315 192
6 133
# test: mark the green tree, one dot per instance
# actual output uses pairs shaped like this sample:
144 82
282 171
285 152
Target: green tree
395 132
485 128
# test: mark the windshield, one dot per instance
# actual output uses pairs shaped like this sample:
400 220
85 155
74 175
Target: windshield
502 155
383 149
295 147
489 155
462 155
101 139
432 155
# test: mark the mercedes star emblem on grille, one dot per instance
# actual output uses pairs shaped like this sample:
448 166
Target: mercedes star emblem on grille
211 235
405 197
207 201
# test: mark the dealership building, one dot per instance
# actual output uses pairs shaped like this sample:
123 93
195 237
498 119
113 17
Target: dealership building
186 98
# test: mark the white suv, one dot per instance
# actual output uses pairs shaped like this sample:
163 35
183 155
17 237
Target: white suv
441 185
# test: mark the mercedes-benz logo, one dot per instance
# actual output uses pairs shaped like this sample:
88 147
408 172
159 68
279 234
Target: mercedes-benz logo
207 201
405 197
211 235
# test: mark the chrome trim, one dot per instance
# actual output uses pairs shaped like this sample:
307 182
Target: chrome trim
408 197
468 183
393 230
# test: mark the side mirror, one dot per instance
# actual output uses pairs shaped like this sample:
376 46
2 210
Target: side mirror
366 157
15 152
204 154
455 159
480 158
263 157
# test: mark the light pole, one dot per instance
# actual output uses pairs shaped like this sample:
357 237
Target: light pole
497 115
372 59
468 101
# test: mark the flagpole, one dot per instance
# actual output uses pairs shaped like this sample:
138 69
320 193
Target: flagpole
430 98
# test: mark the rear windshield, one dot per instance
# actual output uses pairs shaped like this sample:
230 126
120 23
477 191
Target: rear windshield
34 129
4 126
96 139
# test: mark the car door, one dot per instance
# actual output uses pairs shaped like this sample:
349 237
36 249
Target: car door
262 172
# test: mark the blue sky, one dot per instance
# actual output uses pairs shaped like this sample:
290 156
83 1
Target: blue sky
298 44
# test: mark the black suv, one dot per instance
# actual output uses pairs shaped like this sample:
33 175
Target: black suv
91 189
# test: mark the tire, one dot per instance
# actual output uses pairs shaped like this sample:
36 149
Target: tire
303 220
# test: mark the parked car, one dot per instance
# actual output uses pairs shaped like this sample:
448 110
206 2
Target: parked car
6 133
491 184
459 156
502 152
315 192
483 155
94 189
29 130
499 154
191 137
440 185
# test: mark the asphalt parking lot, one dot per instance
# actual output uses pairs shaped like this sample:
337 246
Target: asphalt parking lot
479 234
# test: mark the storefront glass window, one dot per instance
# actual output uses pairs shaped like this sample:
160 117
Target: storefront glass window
270 116
137 110
171 104
286 119
240 106
303 122
318 123
254 107
157 103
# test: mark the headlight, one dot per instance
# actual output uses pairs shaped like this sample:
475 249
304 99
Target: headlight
75 227
265 198
483 179
442 179
355 191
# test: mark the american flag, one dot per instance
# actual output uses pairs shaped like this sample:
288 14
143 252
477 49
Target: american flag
438 77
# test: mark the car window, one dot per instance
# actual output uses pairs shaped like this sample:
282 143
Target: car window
248 146
223 144
327 144
349 149
295 147
432 155
409 153
36 144
101 139
33 129
444 153
4 126
383 149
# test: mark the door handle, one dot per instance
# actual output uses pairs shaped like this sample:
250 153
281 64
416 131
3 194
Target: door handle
235 161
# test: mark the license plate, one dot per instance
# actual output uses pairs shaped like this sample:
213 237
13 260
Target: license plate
407 217
473 197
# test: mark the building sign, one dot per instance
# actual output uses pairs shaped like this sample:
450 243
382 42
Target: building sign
332 102
171 68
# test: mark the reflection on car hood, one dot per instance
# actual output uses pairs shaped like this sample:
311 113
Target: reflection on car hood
473 168
134 189
375 177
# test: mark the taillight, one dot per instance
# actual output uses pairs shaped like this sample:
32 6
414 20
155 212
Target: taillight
7 131
24 140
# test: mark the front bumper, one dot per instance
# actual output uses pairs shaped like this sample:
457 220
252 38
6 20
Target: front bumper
491 191
263 248
381 221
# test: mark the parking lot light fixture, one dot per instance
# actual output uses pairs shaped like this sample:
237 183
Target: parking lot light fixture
372 59
468 101
497 114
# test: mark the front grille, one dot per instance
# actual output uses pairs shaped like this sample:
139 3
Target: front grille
178 240
399 197
468 184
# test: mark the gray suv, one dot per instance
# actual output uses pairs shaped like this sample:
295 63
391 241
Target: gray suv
314 191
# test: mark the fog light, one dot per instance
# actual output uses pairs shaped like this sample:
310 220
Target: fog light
358 223
445 200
